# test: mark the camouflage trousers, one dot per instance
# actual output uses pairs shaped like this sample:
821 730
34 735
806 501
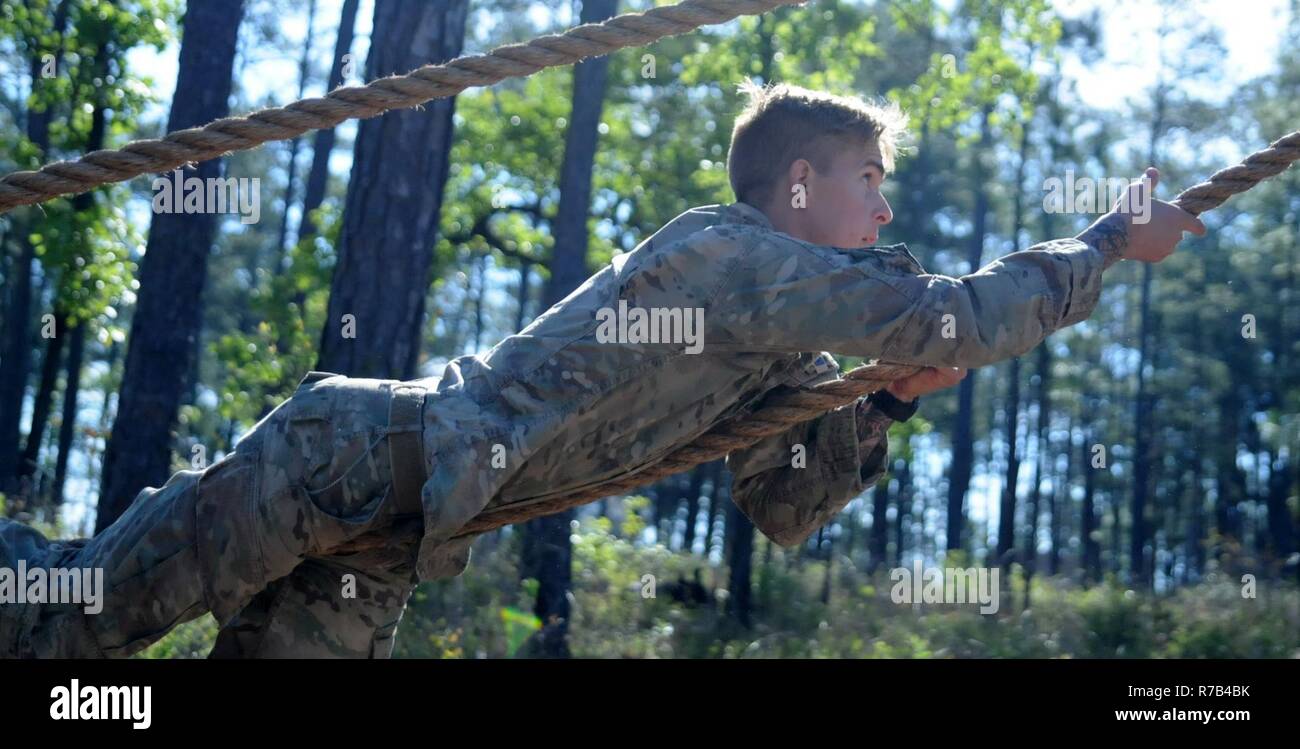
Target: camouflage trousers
252 539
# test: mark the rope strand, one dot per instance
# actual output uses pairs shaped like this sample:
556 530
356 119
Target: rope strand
359 102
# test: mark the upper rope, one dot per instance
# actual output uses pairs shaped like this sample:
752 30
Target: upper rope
379 96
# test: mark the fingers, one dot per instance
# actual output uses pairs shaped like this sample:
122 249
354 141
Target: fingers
1184 221
948 376
953 374
1187 222
926 381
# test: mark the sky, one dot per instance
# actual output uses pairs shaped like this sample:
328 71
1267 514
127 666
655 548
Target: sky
1251 33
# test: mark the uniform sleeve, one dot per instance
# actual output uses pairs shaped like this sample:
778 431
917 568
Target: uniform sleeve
786 295
844 452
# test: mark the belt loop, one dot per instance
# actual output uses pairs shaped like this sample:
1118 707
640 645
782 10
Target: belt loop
405 447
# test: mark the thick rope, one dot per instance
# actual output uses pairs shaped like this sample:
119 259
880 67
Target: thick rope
1225 183
379 96
774 415
778 413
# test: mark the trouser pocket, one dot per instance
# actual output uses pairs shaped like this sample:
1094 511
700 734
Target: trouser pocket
343 487
235 535
326 463
328 528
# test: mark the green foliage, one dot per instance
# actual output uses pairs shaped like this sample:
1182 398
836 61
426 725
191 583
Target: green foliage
260 366
518 627
86 249
484 613
193 639
979 63
613 619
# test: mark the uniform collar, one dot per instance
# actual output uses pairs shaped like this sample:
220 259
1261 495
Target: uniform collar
744 213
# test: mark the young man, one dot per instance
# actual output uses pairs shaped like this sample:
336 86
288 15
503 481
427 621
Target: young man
770 283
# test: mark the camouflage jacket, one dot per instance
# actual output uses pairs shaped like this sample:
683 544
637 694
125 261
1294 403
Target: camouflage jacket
562 405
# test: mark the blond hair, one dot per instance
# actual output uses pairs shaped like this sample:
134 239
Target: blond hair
782 123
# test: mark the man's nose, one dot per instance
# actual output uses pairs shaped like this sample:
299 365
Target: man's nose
883 214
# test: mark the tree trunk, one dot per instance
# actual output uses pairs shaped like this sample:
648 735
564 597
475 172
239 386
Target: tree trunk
480 276
879 526
521 312
739 562
693 508
390 220
1042 440
1007 512
168 314
1088 527
53 359
1231 483
963 437
715 501
903 507
323 140
1281 533
16 363
1281 526
824 537
1060 502
67 429
291 168
1139 568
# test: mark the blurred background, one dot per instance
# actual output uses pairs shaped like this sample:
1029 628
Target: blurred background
1135 479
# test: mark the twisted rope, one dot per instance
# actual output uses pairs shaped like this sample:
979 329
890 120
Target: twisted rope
359 102
775 415
1225 183
783 410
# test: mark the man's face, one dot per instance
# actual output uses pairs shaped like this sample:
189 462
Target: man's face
844 205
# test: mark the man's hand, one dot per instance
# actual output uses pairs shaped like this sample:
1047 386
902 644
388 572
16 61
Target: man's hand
927 380
1139 227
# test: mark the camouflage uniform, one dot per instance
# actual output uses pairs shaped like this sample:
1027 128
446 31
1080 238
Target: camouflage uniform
547 411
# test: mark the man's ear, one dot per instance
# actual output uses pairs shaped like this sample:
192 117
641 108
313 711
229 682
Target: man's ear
800 171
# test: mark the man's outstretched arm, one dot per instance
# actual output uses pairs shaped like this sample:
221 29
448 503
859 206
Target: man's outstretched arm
783 294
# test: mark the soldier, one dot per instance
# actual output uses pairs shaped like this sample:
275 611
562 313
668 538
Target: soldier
785 274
